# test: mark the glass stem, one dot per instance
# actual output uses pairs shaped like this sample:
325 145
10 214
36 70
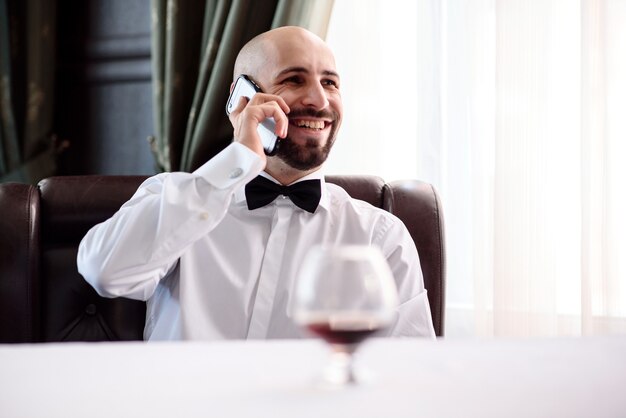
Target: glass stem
342 369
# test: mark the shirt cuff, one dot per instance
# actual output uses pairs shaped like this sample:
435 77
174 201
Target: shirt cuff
232 165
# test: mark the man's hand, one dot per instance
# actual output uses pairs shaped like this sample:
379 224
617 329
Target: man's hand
247 116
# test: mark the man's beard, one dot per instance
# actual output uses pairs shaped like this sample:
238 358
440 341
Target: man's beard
310 155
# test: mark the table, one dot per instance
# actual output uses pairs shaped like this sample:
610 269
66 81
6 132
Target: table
564 377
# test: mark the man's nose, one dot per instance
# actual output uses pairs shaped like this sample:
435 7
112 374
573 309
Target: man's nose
315 96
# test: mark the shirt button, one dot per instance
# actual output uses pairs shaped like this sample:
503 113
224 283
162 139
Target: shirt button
236 173
204 216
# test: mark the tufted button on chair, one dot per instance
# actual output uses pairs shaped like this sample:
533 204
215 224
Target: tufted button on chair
44 298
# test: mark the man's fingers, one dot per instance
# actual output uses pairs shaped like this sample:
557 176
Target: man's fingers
277 109
249 113
241 104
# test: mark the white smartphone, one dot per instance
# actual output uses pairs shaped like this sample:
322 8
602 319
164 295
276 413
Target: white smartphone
244 86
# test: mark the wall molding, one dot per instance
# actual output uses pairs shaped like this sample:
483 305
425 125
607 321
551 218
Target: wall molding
119 71
117 48
118 59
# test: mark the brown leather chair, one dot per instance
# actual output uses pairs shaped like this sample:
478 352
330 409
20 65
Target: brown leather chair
43 298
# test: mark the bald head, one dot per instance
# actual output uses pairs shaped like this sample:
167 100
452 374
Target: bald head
269 47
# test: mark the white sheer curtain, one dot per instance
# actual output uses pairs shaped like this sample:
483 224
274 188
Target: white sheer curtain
516 111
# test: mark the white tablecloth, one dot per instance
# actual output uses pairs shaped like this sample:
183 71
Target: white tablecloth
577 377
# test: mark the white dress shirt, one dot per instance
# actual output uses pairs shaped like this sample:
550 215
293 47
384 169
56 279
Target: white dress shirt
210 268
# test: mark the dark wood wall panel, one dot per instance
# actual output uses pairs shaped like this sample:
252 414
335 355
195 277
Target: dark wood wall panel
104 87
118 143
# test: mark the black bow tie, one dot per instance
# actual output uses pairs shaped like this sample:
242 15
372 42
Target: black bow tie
304 194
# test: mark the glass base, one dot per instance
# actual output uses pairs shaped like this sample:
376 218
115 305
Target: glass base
340 370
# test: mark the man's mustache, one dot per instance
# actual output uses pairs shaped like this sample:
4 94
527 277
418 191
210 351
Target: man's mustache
312 113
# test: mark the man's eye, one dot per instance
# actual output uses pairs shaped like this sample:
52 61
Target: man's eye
293 80
331 83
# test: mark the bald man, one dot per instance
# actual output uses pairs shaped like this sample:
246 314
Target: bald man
212 255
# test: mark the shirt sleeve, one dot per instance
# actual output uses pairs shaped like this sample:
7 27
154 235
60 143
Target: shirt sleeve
413 316
129 253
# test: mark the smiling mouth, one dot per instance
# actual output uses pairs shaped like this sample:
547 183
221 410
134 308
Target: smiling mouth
315 125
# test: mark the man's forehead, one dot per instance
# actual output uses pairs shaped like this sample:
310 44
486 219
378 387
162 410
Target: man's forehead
300 57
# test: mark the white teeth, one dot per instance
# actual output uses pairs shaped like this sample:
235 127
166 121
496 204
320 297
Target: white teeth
311 124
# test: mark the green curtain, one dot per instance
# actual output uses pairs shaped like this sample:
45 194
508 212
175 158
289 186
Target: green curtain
27 57
194 46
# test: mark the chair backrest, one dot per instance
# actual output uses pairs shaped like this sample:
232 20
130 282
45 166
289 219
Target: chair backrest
44 298
19 262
